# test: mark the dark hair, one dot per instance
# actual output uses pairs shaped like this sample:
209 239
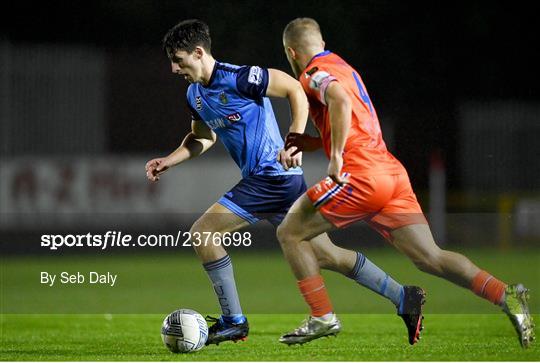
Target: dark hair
186 35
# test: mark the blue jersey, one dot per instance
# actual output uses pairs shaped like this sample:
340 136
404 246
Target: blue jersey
234 106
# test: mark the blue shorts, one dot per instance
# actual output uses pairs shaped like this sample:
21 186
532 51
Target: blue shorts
260 197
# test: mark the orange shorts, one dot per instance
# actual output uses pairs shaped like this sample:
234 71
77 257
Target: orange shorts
385 202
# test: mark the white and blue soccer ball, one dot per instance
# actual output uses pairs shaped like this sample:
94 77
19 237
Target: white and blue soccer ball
184 331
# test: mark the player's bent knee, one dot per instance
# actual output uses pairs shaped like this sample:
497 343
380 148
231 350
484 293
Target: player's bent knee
285 235
201 239
281 233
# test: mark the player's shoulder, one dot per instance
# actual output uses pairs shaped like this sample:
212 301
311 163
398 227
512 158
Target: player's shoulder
326 66
244 80
252 81
225 75
315 75
251 72
227 68
325 63
311 71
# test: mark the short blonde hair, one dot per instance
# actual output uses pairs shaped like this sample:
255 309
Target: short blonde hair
302 33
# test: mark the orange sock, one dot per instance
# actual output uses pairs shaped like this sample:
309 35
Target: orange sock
488 287
315 294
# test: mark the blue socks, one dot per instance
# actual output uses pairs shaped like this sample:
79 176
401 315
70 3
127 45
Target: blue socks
221 274
367 274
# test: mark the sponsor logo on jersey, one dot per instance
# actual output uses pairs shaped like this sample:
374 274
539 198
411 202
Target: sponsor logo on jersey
222 122
198 103
255 75
217 123
234 117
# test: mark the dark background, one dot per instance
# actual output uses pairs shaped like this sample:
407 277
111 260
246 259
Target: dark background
419 60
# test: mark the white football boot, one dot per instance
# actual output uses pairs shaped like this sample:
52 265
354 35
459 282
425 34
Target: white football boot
312 328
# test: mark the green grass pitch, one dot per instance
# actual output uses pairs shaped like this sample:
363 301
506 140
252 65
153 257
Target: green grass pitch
122 323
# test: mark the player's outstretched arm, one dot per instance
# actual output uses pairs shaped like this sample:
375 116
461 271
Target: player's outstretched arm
340 111
200 139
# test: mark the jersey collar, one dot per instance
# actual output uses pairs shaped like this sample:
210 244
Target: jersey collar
321 54
213 75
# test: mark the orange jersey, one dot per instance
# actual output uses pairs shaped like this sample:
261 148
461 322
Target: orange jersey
365 151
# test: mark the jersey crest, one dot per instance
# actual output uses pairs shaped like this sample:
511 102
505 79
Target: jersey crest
223 98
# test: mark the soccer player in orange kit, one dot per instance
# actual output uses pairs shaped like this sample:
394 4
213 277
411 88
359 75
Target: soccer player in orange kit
365 183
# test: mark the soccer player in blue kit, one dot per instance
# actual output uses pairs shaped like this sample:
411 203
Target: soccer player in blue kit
231 102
